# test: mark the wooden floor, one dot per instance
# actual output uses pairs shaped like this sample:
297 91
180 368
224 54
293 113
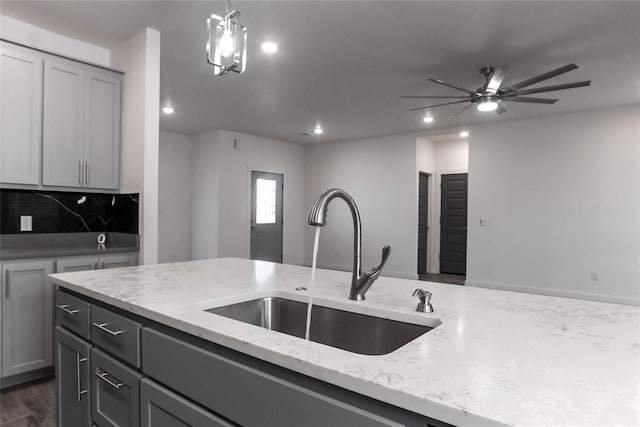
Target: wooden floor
452 279
33 405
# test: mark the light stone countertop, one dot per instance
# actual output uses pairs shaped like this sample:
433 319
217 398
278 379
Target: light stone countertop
497 358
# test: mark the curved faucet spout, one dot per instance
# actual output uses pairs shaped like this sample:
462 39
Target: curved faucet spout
318 218
360 283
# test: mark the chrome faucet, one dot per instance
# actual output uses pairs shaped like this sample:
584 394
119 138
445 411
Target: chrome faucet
360 283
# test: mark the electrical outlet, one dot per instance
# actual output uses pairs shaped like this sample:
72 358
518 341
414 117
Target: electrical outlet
595 276
485 222
25 223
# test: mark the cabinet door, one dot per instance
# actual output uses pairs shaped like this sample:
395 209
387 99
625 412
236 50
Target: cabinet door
20 115
115 392
76 264
27 318
62 156
116 261
161 407
102 130
72 380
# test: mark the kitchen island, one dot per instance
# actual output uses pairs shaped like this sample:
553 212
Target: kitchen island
493 358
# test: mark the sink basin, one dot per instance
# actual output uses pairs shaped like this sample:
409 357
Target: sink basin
358 333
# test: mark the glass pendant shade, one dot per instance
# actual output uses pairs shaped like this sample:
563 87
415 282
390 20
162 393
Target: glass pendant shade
226 43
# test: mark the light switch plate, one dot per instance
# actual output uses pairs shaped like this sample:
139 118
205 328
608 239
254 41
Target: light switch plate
25 223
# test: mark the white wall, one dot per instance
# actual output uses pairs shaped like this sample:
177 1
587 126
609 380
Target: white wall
204 195
563 197
39 38
380 174
174 203
217 165
139 58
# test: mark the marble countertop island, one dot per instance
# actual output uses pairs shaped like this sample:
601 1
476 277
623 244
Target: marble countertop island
497 358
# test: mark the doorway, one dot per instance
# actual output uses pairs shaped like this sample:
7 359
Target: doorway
266 216
423 221
453 224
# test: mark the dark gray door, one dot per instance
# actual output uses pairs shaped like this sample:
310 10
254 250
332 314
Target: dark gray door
72 380
423 221
453 224
266 216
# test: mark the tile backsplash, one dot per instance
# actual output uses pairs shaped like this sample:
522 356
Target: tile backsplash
62 212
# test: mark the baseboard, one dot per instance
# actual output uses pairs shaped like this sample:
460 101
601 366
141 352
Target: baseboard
19 379
385 273
554 292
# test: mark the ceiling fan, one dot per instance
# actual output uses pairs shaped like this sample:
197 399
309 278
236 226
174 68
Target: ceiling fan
492 94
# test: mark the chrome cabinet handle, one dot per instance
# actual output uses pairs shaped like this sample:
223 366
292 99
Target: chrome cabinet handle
86 173
102 327
103 377
6 285
79 172
79 389
65 308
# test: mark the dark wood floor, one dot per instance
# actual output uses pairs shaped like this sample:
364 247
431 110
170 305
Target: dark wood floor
33 405
452 279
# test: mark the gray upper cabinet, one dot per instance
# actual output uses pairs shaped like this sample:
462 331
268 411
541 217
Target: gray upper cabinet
20 115
62 144
60 121
27 318
102 130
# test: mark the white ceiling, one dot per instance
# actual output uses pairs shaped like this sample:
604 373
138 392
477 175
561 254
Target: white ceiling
343 64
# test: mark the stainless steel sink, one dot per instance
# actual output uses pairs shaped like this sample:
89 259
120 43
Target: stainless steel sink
346 330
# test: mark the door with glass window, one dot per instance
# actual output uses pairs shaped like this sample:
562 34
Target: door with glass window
266 216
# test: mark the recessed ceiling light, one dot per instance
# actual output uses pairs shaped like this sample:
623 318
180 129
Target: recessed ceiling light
318 130
168 110
427 119
464 134
269 47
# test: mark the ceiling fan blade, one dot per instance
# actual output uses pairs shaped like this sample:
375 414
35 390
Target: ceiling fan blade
553 88
531 100
497 77
544 76
427 96
440 82
463 110
437 105
501 109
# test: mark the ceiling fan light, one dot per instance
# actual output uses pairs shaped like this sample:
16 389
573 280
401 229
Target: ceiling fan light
487 105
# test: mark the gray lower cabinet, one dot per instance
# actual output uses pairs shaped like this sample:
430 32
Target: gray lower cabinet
115 389
68 265
160 407
117 261
225 384
20 115
72 380
27 318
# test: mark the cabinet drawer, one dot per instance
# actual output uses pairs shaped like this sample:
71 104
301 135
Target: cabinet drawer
116 335
73 314
115 392
226 387
161 407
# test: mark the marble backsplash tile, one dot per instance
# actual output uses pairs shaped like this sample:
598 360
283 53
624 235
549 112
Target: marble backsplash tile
62 212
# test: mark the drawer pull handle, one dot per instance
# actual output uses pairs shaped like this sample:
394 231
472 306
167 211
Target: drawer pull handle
103 377
65 308
79 389
102 327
